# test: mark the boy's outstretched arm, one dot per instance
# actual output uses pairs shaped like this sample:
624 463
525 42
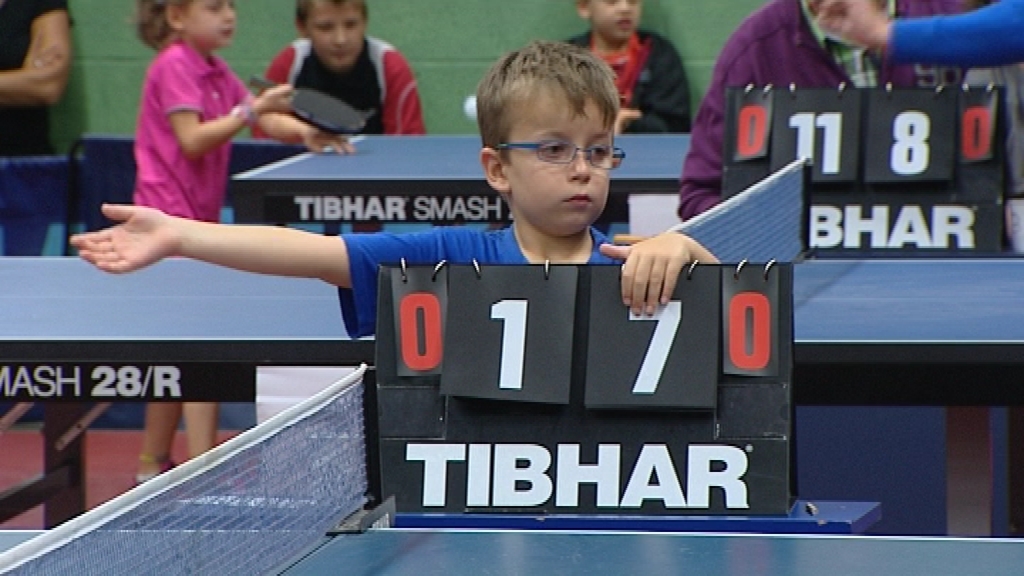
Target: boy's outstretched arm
653 266
146 235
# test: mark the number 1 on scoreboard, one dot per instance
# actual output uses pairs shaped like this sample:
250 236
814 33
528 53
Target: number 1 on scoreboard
512 313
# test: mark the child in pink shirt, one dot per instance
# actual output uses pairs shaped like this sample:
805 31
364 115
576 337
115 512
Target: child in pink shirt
192 105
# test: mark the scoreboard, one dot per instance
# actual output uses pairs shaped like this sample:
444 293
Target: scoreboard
533 389
893 169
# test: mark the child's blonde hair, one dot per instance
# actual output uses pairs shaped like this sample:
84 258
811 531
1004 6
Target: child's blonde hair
557 67
302 7
151 21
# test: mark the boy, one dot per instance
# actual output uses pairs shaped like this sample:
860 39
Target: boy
546 117
652 84
334 55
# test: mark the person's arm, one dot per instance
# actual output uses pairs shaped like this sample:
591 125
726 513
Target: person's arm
290 130
145 236
665 104
277 72
701 184
402 113
44 74
197 137
989 36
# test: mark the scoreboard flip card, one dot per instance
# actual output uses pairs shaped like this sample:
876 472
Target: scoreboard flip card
551 397
894 170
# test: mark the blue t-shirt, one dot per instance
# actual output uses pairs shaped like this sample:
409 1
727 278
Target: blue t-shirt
988 36
455 244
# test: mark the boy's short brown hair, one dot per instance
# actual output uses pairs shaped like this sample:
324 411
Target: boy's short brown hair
559 67
302 7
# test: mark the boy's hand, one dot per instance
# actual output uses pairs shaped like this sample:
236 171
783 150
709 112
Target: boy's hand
144 236
653 266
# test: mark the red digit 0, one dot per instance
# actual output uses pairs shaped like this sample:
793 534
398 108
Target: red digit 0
751 127
759 328
415 308
976 133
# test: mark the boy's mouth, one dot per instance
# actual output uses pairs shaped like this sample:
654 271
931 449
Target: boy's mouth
579 199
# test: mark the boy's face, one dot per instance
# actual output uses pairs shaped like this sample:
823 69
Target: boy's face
613 20
556 200
336 32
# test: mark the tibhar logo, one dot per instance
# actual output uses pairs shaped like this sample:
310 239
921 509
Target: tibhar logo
845 227
400 208
516 475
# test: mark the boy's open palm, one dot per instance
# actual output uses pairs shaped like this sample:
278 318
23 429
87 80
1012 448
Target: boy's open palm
143 237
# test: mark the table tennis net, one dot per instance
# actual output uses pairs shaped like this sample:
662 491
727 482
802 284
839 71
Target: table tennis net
246 507
764 222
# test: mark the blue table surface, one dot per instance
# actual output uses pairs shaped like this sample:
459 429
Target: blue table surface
398 551
825 517
648 157
424 553
919 301
835 301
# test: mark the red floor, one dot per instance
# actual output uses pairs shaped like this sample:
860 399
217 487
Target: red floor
111 456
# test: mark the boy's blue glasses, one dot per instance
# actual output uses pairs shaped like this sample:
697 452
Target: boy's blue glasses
561 152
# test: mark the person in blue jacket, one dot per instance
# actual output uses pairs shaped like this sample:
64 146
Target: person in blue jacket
989 36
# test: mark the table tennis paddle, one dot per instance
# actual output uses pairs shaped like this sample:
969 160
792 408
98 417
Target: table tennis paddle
322 110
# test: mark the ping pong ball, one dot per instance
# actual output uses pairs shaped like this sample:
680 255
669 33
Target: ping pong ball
469 107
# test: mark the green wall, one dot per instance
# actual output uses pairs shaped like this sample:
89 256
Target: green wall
448 42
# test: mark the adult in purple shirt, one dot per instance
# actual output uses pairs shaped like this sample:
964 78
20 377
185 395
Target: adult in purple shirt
780 44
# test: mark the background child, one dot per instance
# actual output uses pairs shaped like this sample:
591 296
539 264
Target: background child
546 120
648 72
192 105
334 55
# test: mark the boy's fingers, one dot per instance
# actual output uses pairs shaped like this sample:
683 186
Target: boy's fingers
672 271
119 212
615 252
655 282
639 285
628 271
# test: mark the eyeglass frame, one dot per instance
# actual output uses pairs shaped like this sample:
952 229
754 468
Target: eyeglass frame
617 154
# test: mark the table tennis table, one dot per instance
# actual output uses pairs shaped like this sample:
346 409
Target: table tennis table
395 551
416 169
868 333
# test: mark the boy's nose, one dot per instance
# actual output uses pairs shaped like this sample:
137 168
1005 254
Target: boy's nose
580 165
341 37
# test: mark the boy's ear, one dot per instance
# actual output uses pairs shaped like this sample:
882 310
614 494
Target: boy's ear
300 28
494 169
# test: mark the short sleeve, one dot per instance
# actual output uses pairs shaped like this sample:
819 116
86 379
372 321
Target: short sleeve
366 252
177 86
